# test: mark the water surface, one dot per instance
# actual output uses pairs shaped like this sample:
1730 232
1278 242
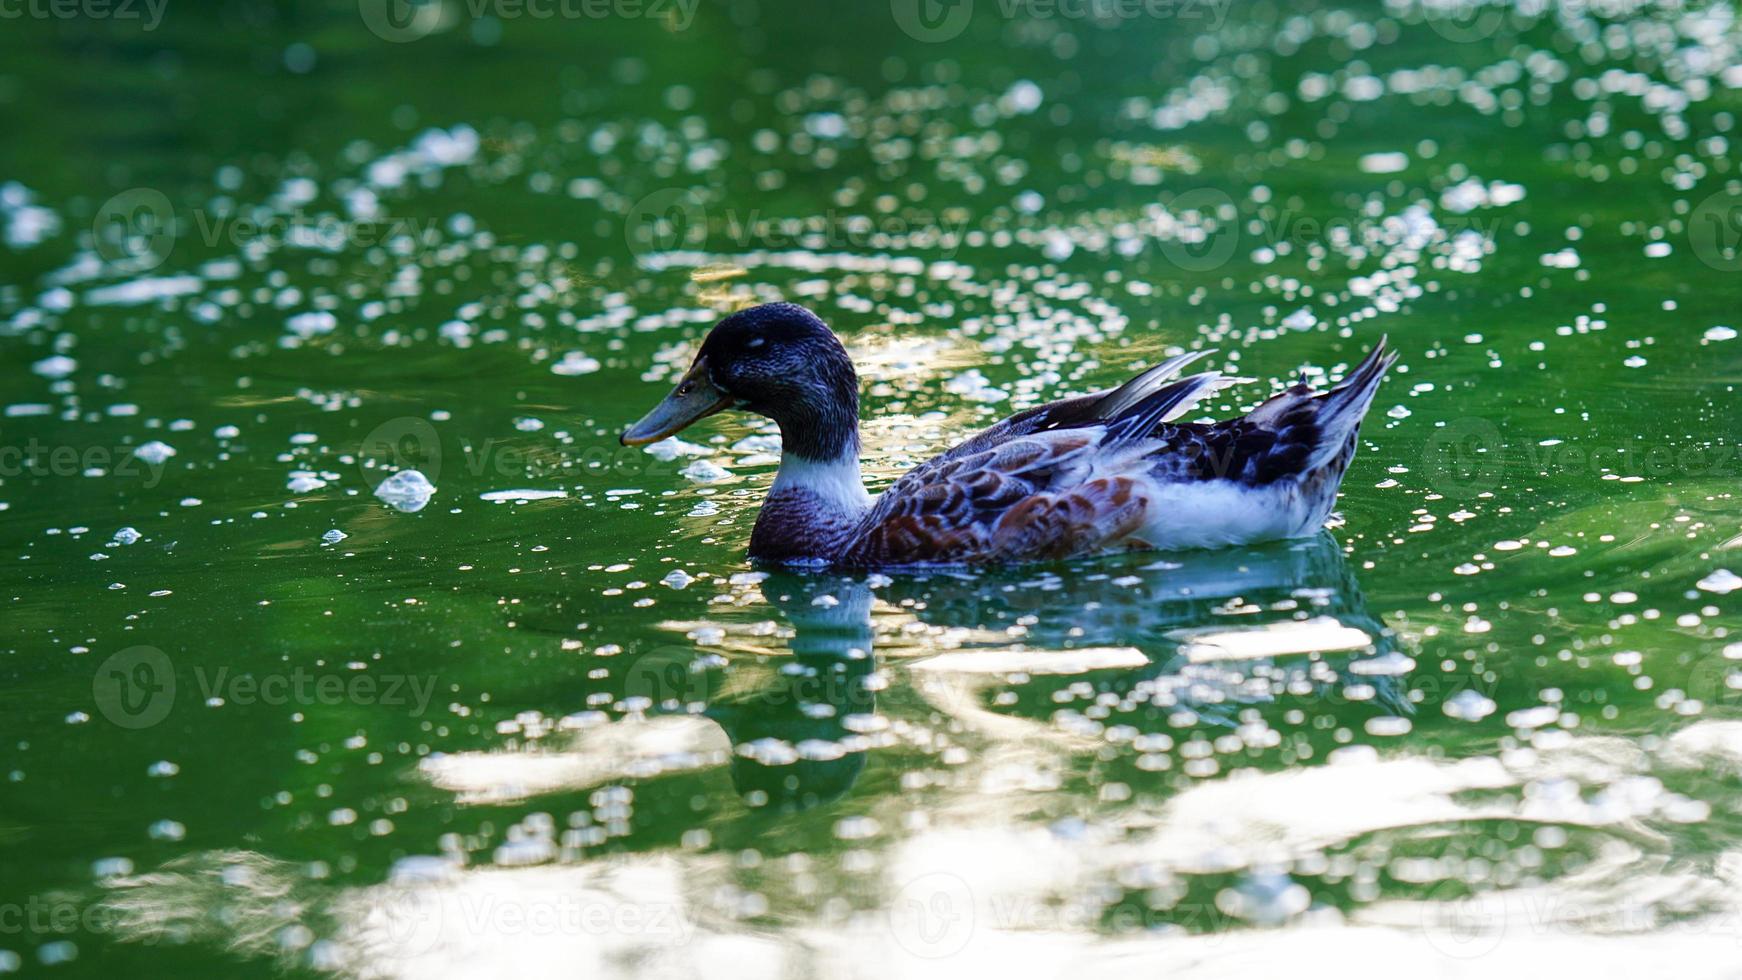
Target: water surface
261 258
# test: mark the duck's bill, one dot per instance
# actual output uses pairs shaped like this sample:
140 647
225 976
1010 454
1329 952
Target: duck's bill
692 400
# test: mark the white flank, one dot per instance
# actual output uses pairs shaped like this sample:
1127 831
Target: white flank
1218 513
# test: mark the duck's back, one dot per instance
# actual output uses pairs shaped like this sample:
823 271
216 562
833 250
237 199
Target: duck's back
1115 471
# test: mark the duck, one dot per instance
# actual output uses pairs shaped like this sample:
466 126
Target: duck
1108 471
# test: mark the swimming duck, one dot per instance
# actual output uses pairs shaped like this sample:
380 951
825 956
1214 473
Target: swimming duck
1100 472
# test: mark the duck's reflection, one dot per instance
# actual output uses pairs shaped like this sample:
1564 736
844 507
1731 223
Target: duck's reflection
791 710
1141 599
1204 634
794 739
963 680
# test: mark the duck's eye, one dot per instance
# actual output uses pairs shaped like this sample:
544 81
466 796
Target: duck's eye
686 387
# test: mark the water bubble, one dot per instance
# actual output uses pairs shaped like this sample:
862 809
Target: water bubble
1468 705
407 491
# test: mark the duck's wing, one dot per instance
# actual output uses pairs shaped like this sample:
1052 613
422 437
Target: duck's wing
1067 413
1049 482
1028 496
1076 477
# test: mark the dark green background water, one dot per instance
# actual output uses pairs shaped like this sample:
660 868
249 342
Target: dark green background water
1491 725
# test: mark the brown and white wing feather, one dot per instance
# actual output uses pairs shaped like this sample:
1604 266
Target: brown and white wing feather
949 509
1044 495
1064 479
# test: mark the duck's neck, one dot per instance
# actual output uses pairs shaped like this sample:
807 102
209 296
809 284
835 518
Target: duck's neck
813 508
831 485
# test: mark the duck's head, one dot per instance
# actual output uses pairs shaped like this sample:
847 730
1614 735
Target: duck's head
777 360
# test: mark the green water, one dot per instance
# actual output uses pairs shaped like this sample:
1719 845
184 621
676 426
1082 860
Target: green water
552 724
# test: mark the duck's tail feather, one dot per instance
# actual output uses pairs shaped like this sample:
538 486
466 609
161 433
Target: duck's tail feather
1341 409
1121 399
1140 420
